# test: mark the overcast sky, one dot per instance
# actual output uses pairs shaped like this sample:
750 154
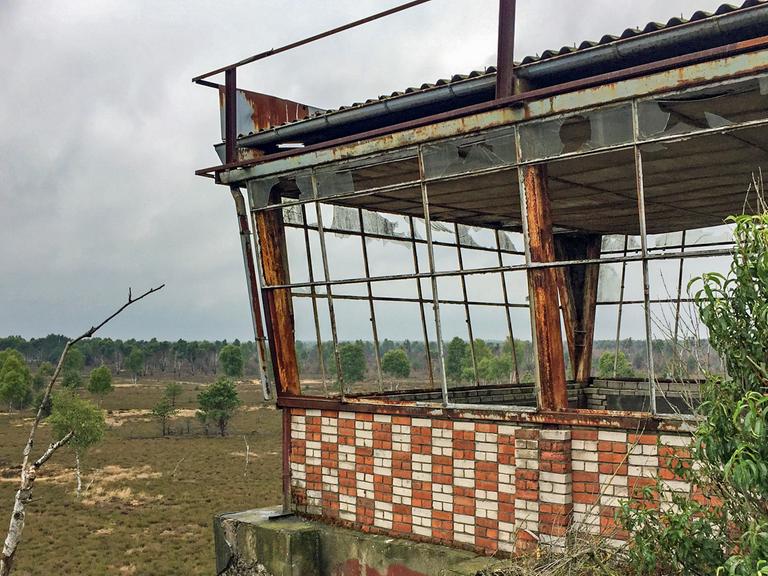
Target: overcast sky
101 131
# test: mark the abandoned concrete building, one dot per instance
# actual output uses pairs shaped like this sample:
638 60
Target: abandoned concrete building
561 200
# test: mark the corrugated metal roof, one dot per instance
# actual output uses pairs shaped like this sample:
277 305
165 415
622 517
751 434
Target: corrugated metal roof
628 34
647 29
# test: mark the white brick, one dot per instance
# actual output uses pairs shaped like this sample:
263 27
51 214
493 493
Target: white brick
674 440
507 430
611 436
555 477
464 426
556 435
422 422
644 461
584 455
313 413
347 415
382 418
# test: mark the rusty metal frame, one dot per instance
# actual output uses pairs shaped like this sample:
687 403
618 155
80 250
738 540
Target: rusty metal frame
644 255
517 99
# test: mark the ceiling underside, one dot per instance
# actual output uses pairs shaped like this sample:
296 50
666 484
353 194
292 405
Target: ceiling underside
690 184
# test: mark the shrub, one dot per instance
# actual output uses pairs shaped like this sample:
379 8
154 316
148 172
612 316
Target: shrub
730 447
218 403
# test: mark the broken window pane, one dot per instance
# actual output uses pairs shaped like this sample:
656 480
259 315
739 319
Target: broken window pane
695 110
283 189
469 153
581 132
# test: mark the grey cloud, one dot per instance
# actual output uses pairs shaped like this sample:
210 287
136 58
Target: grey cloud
102 131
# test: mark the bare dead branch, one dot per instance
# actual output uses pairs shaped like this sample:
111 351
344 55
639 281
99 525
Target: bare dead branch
29 470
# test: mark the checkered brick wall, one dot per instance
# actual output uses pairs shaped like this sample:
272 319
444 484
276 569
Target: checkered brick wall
491 487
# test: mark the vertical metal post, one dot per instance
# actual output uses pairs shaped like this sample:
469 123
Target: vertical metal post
372 308
467 315
527 254
505 53
515 374
420 294
433 278
313 293
679 290
253 289
621 308
328 288
644 251
230 115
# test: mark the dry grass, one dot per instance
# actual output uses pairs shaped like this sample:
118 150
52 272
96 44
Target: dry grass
150 501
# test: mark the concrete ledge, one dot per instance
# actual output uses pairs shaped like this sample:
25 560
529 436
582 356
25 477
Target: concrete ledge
250 544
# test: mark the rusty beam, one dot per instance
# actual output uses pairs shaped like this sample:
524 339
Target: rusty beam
543 283
230 115
277 302
321 35
505 53
253 289
518 99
578 297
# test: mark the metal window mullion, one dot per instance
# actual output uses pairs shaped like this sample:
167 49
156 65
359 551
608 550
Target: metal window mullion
329 290
467 315
679 291
514 375
420 294
527 251
313 295
644 251
433 278
371 307
621 308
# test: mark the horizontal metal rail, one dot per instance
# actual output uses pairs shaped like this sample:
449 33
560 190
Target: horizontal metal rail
310 39
499 269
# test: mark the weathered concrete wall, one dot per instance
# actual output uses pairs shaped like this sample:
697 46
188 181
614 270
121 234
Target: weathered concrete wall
250 544
485 486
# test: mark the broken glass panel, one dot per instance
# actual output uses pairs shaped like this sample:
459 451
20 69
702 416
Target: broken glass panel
469 153
696 110
580 132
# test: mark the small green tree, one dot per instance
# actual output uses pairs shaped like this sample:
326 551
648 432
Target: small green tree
163 411
172 392
100 382
42 376
83 419
231 360
72 379
15 380
454 359
75 361
395 363
135 363
729 453
352 360
218 403
605 366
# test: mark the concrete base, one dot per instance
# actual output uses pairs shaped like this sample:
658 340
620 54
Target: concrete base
250 544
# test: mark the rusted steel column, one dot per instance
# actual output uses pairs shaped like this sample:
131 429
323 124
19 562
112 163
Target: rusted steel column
553 394
277 302
578 295
230 115
505 55
253 290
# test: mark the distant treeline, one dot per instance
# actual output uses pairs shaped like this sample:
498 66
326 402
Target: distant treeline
158 356
494 359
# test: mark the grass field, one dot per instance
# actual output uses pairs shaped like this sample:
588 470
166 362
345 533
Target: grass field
150 501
